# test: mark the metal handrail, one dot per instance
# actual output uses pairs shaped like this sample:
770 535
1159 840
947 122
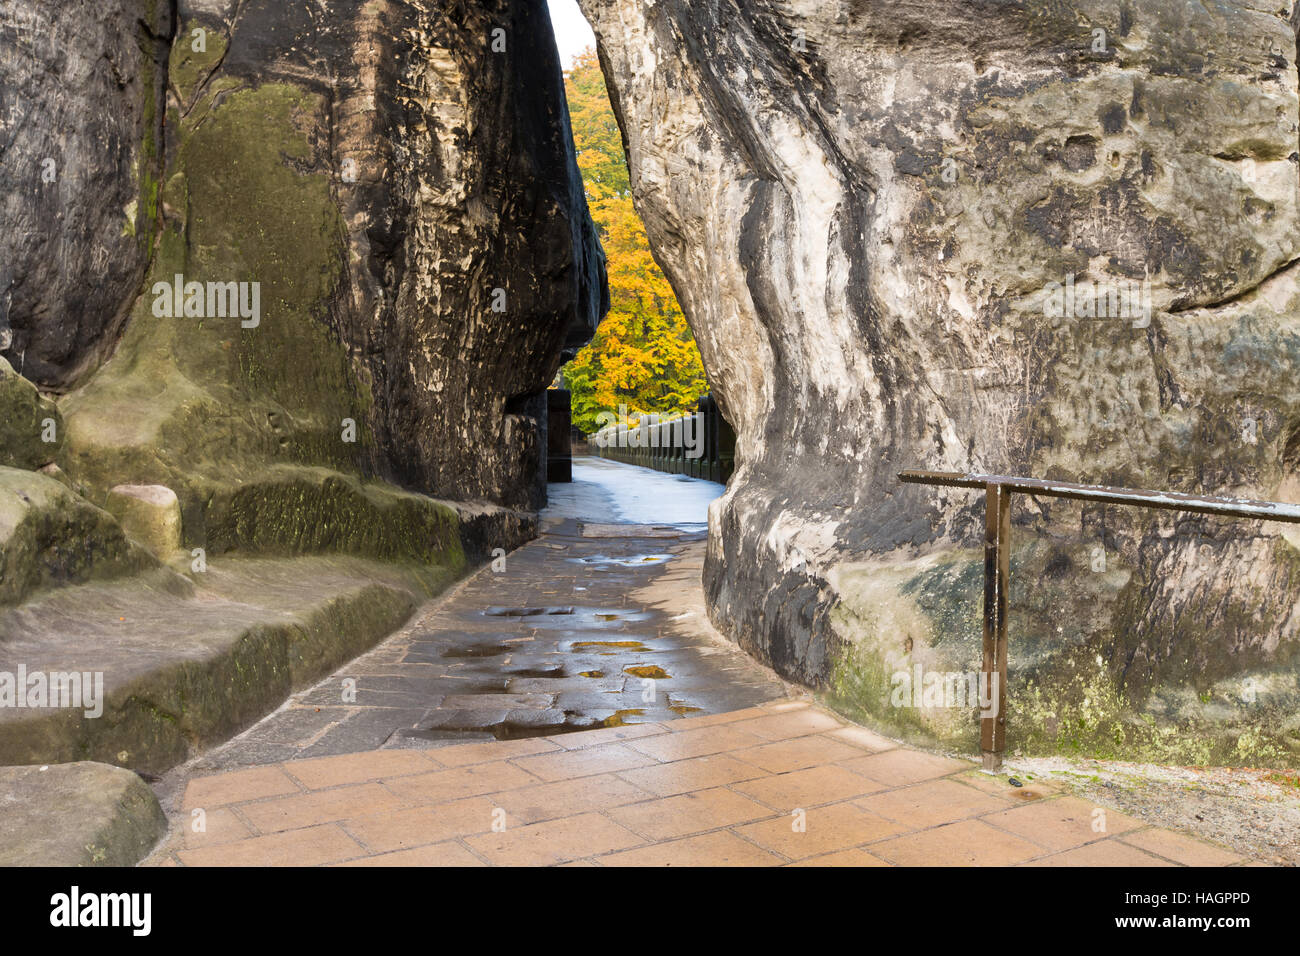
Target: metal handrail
997 555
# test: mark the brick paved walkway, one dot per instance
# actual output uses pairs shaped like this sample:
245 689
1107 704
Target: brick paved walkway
781 783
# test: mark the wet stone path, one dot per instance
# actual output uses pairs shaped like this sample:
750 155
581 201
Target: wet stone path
589 626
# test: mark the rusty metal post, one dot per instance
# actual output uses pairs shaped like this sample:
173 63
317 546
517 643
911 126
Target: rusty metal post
997 570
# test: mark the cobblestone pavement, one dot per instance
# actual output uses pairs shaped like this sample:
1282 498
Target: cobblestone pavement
781 783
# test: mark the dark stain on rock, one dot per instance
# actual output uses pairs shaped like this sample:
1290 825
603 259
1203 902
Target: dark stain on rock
1113 119
1079 153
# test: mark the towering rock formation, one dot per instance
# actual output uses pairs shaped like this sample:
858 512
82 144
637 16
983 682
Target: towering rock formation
871 212
394 180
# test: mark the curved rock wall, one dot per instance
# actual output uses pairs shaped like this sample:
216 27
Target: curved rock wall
870 212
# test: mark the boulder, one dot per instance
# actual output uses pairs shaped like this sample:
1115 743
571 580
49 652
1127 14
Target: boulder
76 814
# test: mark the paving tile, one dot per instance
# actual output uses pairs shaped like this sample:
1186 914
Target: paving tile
824 830
403 829
783 705
999 784
670 817
459 782
311 846
900 767
1181 849
238 786
695 743
321 806
358 767
555 841
802 789
710 849
794 723
968 843
931 803
1062 822
796 753
699 773
220 826
546 801
712 720
709 791
863 738
589 761
437 854
1104 853
462 755
590 738
854 857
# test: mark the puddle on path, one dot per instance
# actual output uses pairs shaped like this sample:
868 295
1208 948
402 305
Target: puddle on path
620 717
477 650
648 672
634 561
608 647
526 611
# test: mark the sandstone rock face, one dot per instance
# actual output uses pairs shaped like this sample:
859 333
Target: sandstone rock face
871 212
379 209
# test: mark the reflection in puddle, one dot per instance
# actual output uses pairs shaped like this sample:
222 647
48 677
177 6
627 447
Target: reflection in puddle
526 611
648 672
583 645
633 561
619 717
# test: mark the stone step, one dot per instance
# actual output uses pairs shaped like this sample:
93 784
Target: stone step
186 665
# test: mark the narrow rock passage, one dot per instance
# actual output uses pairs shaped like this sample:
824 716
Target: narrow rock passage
596 623
457 749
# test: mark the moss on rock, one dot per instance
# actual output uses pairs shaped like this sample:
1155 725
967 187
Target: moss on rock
211 408
31 428
49 536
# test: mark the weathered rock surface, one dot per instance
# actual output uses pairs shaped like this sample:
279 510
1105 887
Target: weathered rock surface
863 208
51 537
76 814
31 428
81 117
396 178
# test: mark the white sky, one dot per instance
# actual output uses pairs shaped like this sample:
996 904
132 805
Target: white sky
572 32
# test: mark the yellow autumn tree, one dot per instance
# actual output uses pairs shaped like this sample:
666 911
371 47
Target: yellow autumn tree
643 354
